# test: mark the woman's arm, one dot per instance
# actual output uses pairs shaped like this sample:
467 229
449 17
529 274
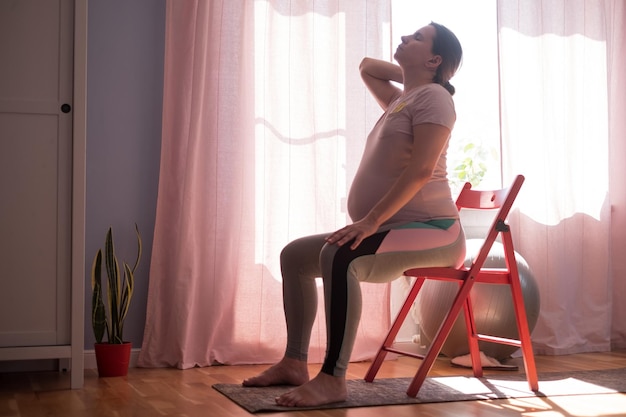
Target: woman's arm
377 76
428 143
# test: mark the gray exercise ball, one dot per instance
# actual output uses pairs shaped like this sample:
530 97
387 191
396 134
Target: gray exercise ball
492 304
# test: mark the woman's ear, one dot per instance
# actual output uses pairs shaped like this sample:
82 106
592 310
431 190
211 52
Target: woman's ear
433 62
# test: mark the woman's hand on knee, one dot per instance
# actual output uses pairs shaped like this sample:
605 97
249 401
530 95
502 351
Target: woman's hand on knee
353 232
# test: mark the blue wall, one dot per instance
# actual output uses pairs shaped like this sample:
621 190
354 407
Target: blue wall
124 105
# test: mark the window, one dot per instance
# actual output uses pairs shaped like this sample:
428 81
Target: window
474 153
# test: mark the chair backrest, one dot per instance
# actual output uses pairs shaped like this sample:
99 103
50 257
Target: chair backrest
501 199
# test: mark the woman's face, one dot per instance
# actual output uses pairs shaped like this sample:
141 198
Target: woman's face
416 49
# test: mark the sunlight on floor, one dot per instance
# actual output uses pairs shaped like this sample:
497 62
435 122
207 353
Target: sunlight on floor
569 386
592 405
601 405
568 397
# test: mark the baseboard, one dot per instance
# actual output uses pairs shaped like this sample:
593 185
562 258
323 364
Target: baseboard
90 358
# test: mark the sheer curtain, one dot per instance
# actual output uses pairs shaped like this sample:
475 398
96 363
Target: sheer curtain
562 107
263 125
264 121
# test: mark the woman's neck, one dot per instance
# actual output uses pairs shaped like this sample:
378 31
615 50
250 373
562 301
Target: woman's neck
413 80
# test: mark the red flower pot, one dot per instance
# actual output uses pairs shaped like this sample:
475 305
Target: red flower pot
112 359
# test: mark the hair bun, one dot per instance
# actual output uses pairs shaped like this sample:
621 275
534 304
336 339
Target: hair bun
449 87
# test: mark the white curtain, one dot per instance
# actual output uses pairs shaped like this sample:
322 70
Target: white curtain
562 91
264 121
265 118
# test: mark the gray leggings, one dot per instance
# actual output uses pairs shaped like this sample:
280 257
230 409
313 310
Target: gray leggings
342 270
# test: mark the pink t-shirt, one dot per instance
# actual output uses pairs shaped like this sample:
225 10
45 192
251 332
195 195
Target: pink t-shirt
388 151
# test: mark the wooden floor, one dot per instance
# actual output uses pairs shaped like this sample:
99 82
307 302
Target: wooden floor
188 393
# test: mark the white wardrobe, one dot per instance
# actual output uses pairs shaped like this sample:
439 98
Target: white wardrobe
42 181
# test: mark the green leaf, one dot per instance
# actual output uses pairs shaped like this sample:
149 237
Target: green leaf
98 314
468 147
139 248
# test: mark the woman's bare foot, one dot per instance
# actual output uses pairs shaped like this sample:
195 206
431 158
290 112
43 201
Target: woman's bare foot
286 372
323 389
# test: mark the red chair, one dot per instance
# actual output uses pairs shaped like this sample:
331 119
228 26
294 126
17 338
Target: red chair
466 277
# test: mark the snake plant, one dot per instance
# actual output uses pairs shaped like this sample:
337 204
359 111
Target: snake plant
110 318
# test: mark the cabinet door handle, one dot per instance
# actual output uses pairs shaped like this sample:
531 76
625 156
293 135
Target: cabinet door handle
66 108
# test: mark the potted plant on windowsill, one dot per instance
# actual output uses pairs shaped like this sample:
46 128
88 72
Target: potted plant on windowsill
112 356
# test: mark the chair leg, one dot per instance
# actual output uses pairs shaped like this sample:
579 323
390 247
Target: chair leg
472 340
524 335
395 328
440 338
520 316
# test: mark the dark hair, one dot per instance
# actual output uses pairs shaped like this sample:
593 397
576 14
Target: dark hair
448 47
